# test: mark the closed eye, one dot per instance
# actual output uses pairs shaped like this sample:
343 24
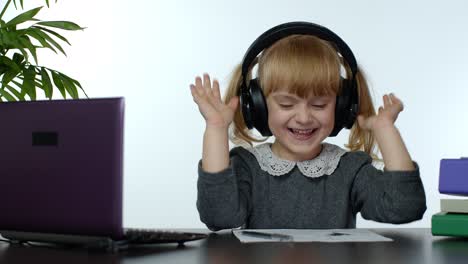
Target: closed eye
320 106
285 105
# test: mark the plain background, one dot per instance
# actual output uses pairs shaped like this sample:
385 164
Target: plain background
150 51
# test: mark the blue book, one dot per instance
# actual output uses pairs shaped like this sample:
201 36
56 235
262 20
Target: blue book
453 176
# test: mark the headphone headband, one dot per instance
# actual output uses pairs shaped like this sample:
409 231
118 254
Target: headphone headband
292 28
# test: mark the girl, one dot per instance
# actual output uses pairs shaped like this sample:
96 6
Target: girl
301 97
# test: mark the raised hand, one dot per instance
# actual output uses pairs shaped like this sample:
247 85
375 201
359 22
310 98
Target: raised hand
208 98
387 114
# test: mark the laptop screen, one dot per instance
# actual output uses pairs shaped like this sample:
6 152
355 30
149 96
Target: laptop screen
62 165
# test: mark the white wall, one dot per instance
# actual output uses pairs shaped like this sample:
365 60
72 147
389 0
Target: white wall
149 51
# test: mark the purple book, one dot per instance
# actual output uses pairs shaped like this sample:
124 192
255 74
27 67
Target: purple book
453 176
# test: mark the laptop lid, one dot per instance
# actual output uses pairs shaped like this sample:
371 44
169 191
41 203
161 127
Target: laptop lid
62 163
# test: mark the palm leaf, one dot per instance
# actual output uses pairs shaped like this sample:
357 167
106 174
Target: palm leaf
76 84
23 17
3 68
46 83
28 82
19 85
53 33
15 92
49 39
33 33
18 58
66 25
11 72
69 86
10 63
26 42
7 95
8 77
58 83
25 54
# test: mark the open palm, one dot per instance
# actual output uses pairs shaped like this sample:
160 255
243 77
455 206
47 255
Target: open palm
208 98
387 114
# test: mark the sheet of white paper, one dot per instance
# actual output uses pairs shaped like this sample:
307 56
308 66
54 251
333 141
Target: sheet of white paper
313 235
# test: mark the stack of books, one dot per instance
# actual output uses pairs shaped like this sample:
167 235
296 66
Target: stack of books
453 180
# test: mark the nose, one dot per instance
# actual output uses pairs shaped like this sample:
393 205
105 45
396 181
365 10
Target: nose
303 115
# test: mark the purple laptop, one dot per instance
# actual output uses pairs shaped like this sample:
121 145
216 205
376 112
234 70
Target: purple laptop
62 166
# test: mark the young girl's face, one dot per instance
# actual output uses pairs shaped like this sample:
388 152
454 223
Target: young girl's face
299 124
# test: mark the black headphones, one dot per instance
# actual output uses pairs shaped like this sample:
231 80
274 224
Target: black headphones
253 103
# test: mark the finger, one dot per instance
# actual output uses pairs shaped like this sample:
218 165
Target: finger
233 103
394 97
397 101
207 83
381 109
193 91
199 86
361 121
386 101
198 81
216 92
199 95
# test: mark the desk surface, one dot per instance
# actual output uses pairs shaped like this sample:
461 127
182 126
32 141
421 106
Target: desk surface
409 246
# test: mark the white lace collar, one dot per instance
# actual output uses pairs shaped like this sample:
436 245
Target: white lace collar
324 164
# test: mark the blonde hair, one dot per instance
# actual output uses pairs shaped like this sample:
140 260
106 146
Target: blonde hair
305 65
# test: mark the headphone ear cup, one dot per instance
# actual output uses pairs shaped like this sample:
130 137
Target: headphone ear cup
352 108
342 105
246 105
259 109
338 117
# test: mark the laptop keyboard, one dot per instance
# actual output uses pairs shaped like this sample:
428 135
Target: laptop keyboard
152 236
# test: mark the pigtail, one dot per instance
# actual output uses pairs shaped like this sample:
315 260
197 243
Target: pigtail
239 133
360 139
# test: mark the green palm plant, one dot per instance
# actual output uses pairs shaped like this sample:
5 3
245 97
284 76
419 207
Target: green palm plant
20 74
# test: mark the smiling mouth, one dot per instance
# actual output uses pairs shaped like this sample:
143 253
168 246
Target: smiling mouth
302 134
